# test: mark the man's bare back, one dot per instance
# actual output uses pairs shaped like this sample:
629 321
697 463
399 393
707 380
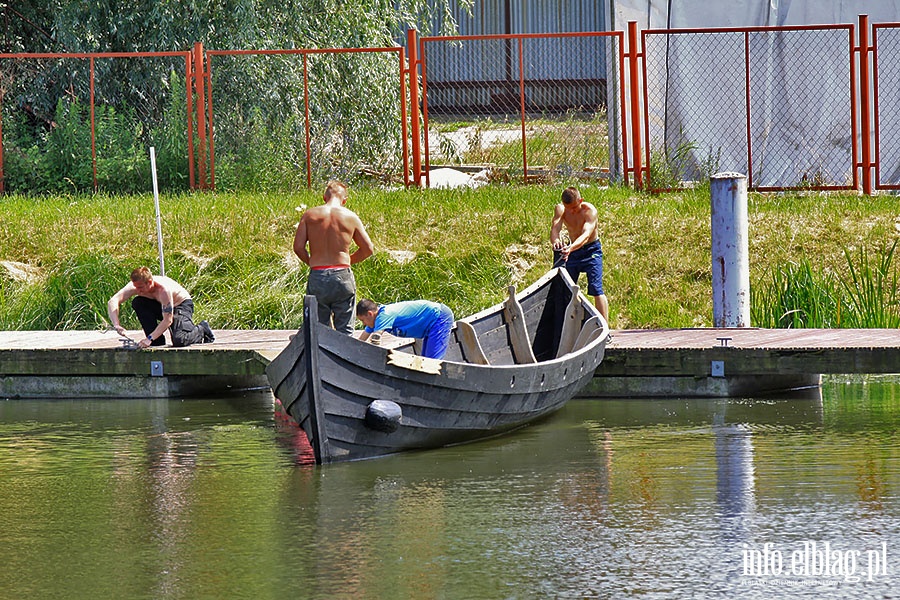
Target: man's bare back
161 290
328 231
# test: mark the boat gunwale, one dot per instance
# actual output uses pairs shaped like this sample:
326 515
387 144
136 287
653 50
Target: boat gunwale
545 280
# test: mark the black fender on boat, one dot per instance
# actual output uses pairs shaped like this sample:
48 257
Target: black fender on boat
383 415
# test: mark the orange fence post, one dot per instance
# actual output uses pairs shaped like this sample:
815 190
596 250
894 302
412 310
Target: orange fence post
865 115
2 186
200 105
635 87
307 138
189 103
522 112
93 127
207 72
403 113
411 48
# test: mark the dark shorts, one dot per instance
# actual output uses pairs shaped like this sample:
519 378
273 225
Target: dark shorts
587 259
335 292
183 331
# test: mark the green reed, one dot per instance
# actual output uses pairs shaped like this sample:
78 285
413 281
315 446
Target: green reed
863 296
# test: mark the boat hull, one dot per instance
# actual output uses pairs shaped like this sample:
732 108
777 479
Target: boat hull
331 390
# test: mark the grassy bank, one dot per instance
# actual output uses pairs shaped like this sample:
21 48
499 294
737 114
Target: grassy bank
62 257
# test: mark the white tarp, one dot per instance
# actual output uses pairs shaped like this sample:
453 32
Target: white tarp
659 14
800 87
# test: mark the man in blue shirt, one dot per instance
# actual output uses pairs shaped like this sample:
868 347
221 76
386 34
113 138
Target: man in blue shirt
429 321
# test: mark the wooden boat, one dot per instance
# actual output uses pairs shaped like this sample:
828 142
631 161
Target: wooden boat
506 366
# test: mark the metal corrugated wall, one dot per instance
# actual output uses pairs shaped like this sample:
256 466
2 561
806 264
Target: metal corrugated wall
560 73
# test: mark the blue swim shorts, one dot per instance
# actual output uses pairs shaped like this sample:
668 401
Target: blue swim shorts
588 259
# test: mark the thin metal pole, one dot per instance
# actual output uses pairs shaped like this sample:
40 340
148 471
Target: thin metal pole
159 239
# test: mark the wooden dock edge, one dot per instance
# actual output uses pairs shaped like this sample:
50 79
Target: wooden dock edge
701 362
696 387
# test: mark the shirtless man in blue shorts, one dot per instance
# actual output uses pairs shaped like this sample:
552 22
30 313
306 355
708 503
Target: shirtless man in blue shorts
583 254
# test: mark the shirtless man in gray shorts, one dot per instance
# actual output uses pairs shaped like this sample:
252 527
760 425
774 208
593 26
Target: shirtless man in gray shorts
328 231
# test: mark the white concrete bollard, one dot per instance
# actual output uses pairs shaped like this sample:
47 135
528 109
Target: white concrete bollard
730 254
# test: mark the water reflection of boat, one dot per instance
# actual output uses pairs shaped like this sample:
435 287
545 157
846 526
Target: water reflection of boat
506 366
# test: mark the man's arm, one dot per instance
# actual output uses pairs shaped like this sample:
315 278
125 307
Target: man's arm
112 307
364 246
300 239
556 227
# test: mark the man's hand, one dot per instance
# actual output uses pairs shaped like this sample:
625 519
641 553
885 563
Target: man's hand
144 343
119 329
563 249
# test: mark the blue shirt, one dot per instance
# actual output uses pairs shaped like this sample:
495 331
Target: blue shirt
412 318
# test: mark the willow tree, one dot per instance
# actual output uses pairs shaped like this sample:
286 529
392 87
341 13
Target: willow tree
258 100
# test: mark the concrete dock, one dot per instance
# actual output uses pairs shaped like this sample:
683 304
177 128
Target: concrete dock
645 363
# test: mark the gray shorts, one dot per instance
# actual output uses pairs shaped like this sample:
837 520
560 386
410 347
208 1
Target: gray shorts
335 292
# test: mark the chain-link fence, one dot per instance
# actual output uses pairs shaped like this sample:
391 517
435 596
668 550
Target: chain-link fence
529 107
886 39
773 103
83 122
791 107
286 119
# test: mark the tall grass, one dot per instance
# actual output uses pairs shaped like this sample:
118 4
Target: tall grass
61 257
863 296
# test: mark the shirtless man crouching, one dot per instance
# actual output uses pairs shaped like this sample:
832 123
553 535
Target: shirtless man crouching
161 305
328 231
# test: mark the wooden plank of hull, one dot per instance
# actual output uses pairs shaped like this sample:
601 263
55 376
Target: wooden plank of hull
572 323
471 347
362 370
429 427
316 432
492 330
287 377
590 331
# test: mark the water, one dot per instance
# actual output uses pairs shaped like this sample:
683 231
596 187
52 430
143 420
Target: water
662 499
